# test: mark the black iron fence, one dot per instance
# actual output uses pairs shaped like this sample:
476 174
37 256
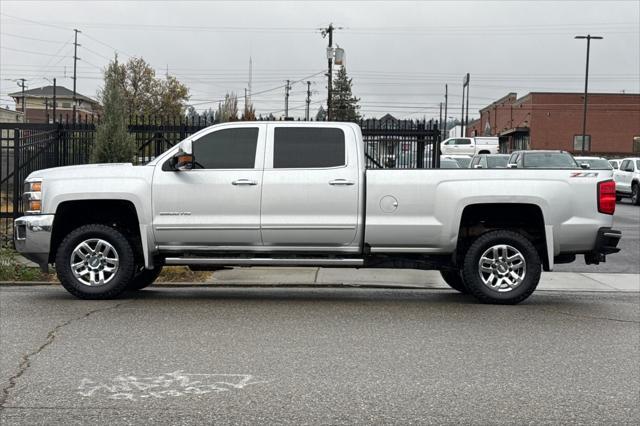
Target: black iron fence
25 148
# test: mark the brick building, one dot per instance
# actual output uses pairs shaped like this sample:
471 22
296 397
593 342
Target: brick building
38 104
543 120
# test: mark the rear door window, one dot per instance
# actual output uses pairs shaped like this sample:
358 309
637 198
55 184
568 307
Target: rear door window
308 147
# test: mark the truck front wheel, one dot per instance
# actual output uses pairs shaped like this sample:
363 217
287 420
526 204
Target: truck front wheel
454 280
501 267
144 278
95 262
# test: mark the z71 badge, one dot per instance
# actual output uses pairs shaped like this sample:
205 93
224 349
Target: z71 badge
584 174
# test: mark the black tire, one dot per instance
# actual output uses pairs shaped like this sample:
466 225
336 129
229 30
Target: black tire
454 280
144 278
119 280
472 275
618 198
635 194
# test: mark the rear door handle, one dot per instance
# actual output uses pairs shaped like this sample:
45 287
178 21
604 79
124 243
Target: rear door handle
244 182
343 182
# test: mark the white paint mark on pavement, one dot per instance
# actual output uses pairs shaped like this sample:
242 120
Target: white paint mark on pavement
166 385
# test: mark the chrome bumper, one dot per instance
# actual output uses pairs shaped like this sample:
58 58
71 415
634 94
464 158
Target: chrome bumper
32 237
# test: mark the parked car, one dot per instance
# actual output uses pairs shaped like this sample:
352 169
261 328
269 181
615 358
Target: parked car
615 163
627 179
462 160
596 163
542 160
489 161
449 163
298 194
470 146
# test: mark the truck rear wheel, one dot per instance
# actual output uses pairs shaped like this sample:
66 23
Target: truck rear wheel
635 194
501 267
95 262
454 280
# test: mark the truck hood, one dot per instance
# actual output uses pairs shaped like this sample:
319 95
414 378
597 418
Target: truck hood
92 171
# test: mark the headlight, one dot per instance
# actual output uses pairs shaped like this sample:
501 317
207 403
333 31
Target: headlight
33 196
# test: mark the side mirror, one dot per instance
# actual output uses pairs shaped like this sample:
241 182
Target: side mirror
183 159
585 166
512 166
477 166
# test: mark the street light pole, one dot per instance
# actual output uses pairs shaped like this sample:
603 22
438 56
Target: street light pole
588 37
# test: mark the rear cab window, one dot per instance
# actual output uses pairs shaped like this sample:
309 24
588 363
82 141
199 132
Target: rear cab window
308 147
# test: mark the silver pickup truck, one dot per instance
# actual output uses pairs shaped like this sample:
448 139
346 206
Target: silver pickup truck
294 194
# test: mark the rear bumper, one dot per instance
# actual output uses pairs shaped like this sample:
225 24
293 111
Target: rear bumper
32 238
606 243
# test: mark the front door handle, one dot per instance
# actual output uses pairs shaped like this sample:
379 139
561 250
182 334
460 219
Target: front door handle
244 182
343 182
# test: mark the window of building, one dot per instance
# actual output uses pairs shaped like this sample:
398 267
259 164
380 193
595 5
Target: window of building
577 143
66 105
227 149
636 144
308 147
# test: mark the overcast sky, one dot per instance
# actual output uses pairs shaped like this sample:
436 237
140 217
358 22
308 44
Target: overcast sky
399 54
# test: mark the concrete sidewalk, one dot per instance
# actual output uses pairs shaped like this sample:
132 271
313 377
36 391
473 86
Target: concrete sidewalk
565 281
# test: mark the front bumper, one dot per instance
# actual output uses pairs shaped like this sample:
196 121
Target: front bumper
32 238
606 243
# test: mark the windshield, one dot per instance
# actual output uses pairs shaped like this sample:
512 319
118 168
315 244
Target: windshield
596 163
497 162
549 160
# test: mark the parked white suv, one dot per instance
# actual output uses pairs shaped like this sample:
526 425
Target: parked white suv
470 146
627 179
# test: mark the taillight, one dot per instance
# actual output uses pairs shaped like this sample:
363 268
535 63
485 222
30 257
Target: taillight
607 197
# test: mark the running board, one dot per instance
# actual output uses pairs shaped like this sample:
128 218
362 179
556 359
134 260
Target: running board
262 261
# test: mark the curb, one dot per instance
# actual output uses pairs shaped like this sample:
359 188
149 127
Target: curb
228 285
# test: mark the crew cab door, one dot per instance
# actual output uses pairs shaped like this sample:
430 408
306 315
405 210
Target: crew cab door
310 194
217 203
465 146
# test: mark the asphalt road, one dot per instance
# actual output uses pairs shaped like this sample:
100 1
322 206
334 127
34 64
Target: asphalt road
318 355
627 220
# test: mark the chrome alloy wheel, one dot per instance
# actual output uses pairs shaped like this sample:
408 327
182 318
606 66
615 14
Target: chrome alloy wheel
502 268
94 262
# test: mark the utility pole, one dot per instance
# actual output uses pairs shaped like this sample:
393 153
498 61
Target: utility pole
54 100
588 37
446 105
286 100
329 31
440 120
466 120
306 115
24 111
75 61
250 76
462 113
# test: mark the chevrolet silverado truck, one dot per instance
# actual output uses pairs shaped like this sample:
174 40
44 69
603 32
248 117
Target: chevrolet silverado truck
299 194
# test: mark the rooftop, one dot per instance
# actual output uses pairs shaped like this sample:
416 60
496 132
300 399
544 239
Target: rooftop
47 92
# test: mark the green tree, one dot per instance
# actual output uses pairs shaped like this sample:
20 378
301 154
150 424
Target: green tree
146 94
344 106
321 115
114 144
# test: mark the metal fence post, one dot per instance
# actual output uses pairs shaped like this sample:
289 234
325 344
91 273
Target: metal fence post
420 155
16 173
